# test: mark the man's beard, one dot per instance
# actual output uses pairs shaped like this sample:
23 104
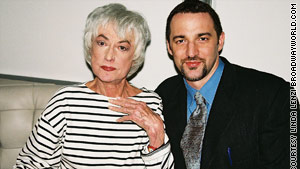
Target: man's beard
204 70
204 73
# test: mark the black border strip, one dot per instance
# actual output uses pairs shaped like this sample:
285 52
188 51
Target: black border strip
37 80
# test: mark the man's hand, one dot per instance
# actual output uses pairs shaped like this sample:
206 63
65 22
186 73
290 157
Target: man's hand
142 115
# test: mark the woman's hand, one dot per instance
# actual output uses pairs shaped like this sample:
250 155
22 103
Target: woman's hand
142 115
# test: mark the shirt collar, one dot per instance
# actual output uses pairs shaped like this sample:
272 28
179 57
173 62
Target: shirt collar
190 96
209 89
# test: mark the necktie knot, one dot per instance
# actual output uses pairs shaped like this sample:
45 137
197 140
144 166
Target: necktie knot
199 99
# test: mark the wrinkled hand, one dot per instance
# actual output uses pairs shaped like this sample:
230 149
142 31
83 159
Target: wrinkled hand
142 115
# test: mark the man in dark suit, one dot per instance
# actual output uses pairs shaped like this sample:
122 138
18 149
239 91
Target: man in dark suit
248 110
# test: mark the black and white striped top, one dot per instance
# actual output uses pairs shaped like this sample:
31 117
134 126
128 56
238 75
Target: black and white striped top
77 130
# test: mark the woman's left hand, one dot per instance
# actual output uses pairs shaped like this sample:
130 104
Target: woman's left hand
142 115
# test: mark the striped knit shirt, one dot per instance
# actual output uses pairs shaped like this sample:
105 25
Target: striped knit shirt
77 130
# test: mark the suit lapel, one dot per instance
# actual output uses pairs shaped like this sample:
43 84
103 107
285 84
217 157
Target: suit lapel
221 115
175 116
179 107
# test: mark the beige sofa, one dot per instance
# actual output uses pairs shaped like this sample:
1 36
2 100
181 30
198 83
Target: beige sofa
21 102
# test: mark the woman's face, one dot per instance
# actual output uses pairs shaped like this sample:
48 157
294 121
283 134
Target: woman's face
111 55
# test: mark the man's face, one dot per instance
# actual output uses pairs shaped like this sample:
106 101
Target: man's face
194 44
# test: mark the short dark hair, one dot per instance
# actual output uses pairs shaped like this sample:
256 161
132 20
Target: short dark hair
194 6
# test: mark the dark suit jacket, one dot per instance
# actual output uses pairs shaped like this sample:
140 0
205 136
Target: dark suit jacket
249 115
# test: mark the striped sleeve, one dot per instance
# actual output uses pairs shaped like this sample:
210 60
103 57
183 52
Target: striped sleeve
44 146
161 158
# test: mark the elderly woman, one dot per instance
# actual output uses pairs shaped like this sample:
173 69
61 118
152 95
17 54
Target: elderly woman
107 122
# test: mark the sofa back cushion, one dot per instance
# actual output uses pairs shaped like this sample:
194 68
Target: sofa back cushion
21 103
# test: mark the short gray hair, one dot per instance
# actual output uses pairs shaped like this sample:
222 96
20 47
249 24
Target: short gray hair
125 21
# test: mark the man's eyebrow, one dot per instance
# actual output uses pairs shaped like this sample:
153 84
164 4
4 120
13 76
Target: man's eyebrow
179 36
199 35
203 34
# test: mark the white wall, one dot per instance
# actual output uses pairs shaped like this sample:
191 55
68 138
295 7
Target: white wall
257 34
43 38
